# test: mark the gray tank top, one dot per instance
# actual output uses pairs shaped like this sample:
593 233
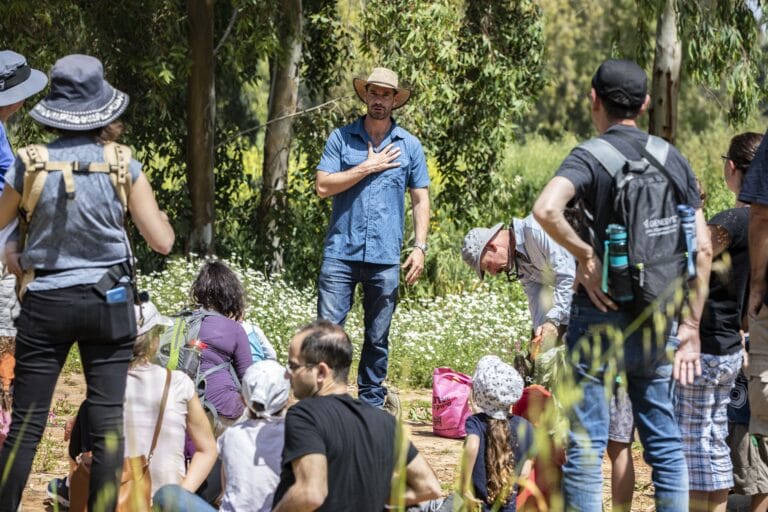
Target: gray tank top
78 238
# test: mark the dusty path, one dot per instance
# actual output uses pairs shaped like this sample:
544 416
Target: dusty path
442 454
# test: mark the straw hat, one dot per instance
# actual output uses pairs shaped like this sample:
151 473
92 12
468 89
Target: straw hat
383 77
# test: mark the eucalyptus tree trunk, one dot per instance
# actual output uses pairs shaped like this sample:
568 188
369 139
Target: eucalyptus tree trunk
283 99
665 87
201 109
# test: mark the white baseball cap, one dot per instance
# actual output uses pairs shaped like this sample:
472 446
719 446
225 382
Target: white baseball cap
267 384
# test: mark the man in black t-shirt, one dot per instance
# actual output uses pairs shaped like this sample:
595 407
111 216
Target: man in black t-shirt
602 336
341 454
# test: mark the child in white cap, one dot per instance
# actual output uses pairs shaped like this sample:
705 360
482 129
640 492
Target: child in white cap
251 451
496 450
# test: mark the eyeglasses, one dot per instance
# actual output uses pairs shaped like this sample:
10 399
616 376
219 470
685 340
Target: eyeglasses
292 367
726 158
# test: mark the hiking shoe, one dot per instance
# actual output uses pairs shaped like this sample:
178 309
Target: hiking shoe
58 491
392 402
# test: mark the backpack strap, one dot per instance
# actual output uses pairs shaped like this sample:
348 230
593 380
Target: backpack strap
661 147
606 153
658 147
117 158
35 158
160 413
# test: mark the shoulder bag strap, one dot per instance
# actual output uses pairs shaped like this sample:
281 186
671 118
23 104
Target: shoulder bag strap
656 145
159 422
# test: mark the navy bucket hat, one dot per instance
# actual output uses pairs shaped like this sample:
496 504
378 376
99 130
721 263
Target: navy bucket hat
18 81
80 99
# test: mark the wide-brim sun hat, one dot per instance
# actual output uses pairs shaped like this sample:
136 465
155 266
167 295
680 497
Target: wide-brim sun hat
383 77
266 383
496 386
474 245
18 81
148 316
80 98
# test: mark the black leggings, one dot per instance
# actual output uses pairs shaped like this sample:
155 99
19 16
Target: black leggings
49 324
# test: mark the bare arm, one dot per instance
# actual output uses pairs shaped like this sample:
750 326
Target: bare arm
199 431
9 205
329 184
468 459
149 219
421 482
311 486
548 211
758 256
688 356
420 206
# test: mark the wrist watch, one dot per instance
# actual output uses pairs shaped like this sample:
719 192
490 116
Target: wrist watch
423 247
552 321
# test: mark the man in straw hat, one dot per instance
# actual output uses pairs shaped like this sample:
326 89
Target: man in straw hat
366 167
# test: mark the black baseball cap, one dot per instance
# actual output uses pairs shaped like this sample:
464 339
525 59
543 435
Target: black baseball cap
621 82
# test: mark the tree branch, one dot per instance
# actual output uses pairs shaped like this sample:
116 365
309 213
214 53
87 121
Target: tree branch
334 102
229 28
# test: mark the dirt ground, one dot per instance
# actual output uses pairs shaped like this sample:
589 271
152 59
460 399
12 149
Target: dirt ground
443 454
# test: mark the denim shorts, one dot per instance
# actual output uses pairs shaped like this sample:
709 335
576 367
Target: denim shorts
701 410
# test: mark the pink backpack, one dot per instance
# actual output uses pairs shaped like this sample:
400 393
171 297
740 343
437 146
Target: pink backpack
450 402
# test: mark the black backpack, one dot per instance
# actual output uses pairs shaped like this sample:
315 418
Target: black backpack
645 200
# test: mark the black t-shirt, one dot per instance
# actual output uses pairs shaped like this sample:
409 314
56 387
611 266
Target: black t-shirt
721 318
593 183
358 441
754 188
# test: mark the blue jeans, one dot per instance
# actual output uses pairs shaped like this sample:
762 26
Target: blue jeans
336 293
174 498
596 354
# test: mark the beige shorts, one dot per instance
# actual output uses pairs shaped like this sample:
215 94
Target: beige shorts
757 373
749 455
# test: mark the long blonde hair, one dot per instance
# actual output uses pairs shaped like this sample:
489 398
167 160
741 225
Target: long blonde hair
499 460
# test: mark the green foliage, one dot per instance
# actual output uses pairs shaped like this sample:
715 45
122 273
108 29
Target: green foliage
474 66
143 45
722 56
703 151
579 35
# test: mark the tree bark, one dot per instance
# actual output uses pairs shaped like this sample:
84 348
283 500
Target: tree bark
201 109
665 87
283 99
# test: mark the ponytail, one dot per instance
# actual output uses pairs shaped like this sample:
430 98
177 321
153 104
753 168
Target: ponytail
499 460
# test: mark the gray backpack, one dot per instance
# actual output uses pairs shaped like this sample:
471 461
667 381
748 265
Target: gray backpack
645 200
181 349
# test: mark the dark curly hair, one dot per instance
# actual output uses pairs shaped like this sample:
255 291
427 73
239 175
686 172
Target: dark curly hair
743 148
217 288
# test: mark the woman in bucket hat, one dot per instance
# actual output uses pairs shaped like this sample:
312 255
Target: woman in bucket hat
77 259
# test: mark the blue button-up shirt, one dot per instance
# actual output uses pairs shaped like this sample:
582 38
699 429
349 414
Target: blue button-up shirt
546 271
6 155
367 219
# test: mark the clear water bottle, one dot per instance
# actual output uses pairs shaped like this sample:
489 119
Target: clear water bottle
617 281
687 217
